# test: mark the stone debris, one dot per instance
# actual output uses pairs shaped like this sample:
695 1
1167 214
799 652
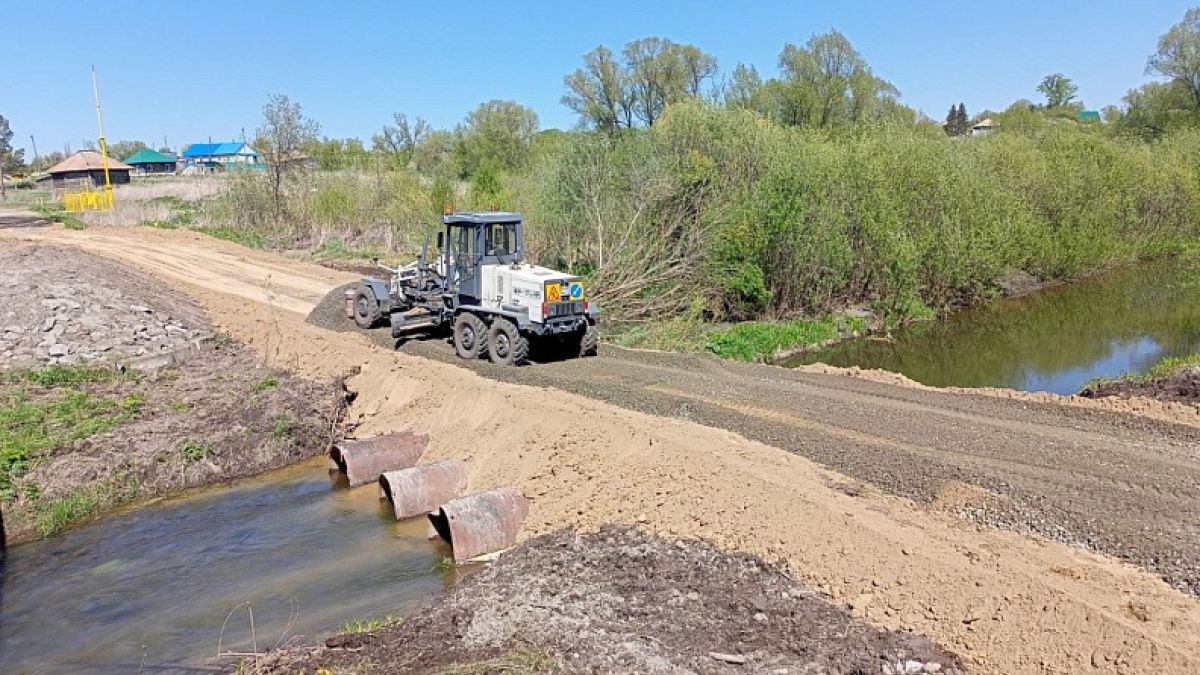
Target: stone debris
84 312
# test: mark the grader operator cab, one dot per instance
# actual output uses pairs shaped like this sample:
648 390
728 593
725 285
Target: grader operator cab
480 285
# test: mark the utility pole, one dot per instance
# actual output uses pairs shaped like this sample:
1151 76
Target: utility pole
34 143
108 189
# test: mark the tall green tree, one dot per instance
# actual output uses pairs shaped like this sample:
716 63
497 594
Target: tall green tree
284 136
742 90
1058 89
957 122
6 153
827 83
599 93
123 149
496 134
611 94
400 140
1178 55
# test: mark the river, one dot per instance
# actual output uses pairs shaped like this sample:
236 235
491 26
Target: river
1054 340
148 589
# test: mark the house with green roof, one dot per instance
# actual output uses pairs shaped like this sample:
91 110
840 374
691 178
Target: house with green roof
147 161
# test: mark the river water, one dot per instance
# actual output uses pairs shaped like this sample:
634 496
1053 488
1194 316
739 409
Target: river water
149 589
1054 340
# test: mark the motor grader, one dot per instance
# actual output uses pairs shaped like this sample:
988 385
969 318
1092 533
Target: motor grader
481 287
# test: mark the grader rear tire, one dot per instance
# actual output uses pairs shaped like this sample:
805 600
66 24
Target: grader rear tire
506 345
589 344
470 336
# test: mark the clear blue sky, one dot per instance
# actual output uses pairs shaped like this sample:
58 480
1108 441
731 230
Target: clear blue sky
194 70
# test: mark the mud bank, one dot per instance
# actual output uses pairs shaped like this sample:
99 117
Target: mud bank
624 601
1181 388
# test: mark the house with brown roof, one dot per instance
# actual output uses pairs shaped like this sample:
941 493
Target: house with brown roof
85 169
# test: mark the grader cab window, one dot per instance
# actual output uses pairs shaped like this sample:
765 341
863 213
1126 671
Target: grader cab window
501 240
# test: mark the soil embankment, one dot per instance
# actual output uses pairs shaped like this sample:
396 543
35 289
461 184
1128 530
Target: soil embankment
623 601
112 389
1007 602
1182 387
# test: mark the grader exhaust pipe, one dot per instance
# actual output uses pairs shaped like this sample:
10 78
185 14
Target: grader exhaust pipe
364 460
479 523
422 489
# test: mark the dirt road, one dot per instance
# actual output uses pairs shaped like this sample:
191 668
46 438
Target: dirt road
678 454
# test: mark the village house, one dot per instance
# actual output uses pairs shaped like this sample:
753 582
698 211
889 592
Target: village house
85 169
217 156
147 161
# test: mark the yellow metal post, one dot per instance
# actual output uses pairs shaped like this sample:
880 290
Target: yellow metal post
108 189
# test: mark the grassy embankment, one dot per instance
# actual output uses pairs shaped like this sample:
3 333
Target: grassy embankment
1163 369
45 409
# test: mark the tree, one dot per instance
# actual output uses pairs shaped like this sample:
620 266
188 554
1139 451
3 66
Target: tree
611 94
957 122
598 92
827 83
1157 107
282 139
401 139
1058 89
1178 55
6 152
122 149
742 90
497 134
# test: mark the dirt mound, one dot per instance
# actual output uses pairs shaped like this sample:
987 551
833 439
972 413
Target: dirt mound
63 305
623 601
1182 387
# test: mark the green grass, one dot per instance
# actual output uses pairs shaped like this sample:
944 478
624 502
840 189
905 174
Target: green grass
268 382
194 451
336 248
760 341
183 213
1161 370
43 409
238 236
58 215
1172 365
64 511
370 625
284 426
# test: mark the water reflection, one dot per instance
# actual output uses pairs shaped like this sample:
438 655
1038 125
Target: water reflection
1055 340
150 589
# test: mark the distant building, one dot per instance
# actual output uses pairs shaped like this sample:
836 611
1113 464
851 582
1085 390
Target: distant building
983 126
85 169
1089 116
216 156
147 161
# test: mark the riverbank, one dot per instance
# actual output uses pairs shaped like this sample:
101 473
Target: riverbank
1172 380
621 600
114 389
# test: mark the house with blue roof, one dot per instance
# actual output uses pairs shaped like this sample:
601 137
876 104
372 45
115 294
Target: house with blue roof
216 156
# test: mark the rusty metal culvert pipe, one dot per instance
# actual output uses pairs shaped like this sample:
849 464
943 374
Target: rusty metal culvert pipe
422 489
363 460
483 522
